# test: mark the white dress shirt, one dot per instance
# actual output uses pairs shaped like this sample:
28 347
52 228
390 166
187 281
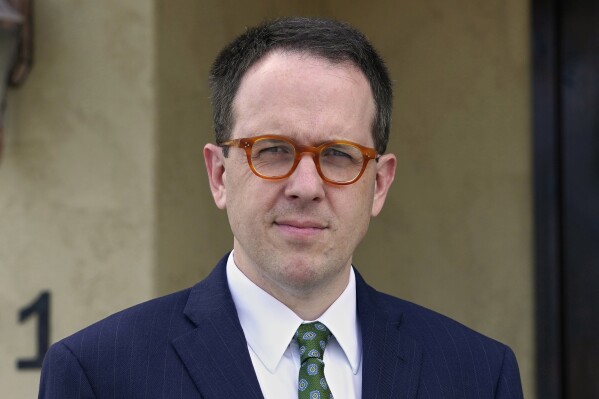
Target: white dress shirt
269 327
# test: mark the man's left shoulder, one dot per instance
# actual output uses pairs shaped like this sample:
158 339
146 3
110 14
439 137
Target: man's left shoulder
434 329
453 358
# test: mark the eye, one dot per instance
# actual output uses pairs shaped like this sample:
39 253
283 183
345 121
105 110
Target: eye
336 152
341 155
274 149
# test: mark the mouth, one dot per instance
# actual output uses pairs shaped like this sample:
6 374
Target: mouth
300 228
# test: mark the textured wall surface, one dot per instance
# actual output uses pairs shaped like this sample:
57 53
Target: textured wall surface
104 199
77 175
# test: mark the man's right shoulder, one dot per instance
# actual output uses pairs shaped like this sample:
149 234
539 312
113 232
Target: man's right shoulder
154 319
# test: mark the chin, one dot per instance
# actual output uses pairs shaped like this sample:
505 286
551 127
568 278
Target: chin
307 273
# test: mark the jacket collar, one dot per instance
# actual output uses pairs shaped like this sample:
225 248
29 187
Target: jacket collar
391 358
215 353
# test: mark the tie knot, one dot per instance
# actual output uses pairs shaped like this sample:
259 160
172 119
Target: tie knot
312 339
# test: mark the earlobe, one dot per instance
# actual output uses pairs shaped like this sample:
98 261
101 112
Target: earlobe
385 173
215 167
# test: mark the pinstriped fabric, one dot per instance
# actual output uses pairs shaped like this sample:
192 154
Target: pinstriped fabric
65 378
455 361
120 357
190 345
169 381
217 359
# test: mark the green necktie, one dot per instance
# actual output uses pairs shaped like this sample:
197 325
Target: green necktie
312 339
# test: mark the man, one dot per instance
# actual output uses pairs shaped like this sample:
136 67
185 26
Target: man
301 114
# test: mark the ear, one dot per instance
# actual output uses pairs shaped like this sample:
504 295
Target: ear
215 166
385 173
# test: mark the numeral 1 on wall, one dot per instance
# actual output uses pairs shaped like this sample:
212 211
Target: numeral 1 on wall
41 307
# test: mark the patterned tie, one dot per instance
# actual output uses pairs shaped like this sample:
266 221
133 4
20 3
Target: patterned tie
312 339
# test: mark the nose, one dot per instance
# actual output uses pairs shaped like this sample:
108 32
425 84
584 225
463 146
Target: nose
305 183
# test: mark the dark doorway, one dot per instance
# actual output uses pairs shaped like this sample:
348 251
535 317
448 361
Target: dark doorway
566 142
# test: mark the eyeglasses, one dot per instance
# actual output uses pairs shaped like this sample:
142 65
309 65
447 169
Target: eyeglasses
274 157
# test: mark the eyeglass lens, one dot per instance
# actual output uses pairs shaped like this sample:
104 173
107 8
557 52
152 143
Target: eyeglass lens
338 162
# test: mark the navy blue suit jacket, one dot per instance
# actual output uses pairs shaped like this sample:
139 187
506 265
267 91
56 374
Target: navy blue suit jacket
191 345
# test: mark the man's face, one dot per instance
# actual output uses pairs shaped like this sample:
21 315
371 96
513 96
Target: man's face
298 234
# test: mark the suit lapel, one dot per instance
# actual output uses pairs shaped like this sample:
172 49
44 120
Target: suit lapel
215 353
391 359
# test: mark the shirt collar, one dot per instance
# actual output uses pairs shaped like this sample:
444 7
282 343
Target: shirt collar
341 319
269 325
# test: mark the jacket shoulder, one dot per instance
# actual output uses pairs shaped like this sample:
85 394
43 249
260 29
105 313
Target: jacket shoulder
154 320
425 324
115 356
457 356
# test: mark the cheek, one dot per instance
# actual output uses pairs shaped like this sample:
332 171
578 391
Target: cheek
238 182
353 208
249 199
362 196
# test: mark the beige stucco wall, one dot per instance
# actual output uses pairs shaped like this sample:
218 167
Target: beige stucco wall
104 200
77 175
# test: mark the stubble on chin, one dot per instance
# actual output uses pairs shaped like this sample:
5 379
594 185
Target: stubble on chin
303 275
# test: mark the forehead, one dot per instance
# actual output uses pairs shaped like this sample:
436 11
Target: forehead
296 93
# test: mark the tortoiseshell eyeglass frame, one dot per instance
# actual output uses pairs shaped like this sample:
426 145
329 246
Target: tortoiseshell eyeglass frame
247 144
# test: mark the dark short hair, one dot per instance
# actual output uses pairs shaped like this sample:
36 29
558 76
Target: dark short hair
332 40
